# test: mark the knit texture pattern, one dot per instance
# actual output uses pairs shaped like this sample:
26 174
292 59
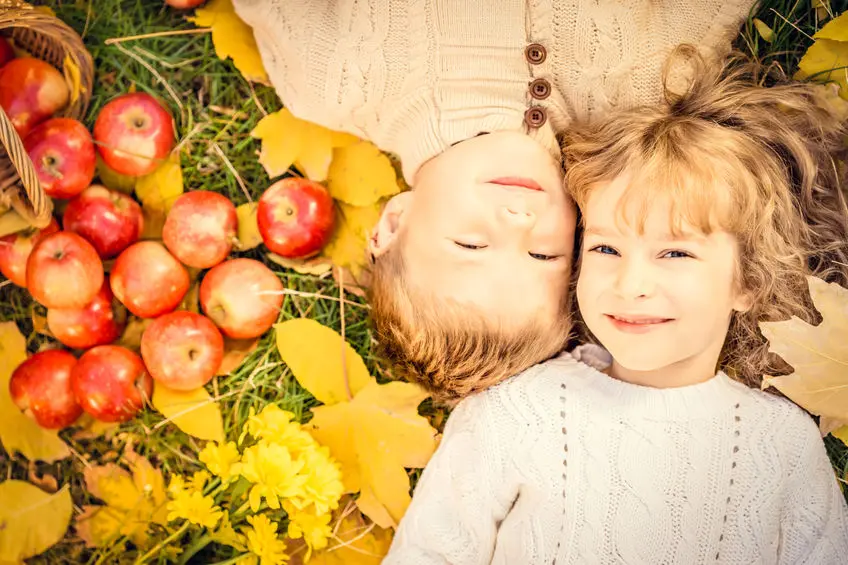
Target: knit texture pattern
565 465
415 76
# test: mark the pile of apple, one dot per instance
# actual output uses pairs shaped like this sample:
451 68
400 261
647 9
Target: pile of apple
63 268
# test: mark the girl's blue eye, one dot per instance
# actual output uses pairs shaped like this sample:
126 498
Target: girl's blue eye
676 254
604 250
469 245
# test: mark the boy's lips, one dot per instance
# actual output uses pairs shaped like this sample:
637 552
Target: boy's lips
517 181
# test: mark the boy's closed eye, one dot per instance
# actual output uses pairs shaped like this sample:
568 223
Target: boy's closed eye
537 256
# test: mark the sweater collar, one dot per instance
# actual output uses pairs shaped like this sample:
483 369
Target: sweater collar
702 400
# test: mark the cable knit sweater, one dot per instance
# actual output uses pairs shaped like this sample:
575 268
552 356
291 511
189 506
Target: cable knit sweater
565 465
415 76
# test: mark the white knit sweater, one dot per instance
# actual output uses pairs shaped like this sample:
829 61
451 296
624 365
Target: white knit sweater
415 76
565 465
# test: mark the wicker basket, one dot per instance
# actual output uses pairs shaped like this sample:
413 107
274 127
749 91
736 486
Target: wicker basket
49 39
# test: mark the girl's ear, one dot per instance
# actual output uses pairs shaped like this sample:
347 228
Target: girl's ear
743 301
394 216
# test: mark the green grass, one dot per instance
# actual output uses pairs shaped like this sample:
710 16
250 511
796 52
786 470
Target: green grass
216 109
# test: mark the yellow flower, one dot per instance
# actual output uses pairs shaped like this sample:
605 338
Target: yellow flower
315 530
263 542
274 474
198 481
267 424
176 486
323 486
226 535
219 459
194 507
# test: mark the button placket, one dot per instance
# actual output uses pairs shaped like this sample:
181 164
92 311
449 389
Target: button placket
535 53
535 116
540 89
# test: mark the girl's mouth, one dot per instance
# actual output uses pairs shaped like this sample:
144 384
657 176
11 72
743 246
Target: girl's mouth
636 323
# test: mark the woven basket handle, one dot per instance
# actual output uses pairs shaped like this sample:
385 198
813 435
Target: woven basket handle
38 208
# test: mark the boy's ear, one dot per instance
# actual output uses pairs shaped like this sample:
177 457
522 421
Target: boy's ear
386 231
744 301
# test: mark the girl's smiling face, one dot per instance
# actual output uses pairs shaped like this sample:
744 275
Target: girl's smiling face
658 294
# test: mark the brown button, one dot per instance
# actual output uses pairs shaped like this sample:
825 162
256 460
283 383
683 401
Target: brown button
535 117
540 89
535 53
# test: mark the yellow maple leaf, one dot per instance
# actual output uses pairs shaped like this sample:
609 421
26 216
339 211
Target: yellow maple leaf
360 175
133 500
31 519
826 59
232 38
817 354
309 266
160 189
764 30
248 227
193 411
110 178
373 430
349 244
287 140
72 77
12 222
17 431
358 543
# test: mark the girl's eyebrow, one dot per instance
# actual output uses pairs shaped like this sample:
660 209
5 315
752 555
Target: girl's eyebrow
688 236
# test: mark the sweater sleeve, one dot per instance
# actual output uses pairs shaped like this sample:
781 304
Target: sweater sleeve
462 495
814 520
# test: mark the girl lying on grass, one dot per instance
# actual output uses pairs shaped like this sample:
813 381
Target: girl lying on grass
653 443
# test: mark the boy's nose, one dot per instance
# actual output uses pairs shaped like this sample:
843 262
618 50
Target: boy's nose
518 217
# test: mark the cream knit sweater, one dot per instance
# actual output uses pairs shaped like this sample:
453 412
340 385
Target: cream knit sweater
415 76
565 465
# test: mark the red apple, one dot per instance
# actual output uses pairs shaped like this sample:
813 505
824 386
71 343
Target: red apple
64 271
200 228
111 383
295 217
41 387
184 4
148 280
30 92
94 324
15 249
134 134
6 51
63 154
242 296
182 350
110 220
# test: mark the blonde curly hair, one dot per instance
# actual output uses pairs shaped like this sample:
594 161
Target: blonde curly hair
745 150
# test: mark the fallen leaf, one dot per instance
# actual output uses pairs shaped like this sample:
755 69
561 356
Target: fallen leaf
360 175
356 285
817 354
89 428
31 520
158 190
191 299
312 266
114 180
375 434
827 58
72 77
39 321
823 9
131 338
359 543
374 437
314 354
827 96
12 222
287 140
232 38
248 228
17 431
349 244
764 30
133 500
235 351
841 434
192 411
45 482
